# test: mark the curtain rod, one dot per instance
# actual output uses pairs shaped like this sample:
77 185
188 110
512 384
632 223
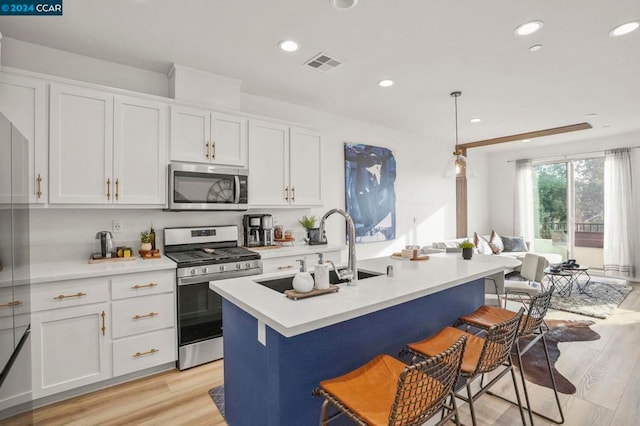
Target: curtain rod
578 153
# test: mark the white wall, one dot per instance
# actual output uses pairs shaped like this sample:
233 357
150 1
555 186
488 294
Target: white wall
425 206
502 175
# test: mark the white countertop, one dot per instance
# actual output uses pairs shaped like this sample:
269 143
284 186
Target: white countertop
411 280
295 250
56 271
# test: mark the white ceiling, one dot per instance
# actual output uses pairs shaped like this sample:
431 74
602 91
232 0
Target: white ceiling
429 47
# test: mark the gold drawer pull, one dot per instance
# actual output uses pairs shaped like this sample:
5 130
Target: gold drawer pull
152 351
104 326
7 305
149 315
137 286
285 267
108 189
62 296
117 189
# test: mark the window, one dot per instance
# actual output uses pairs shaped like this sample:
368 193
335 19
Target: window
569 209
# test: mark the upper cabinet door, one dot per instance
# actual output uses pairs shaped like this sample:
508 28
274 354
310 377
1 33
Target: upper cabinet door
190 134
229 140
80 145
268 164
23 102
305 167
139 151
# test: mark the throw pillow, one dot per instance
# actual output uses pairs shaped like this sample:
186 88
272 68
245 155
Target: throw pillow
481 244
495 242
514 244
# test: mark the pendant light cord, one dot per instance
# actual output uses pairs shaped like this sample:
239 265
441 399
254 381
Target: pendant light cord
455 99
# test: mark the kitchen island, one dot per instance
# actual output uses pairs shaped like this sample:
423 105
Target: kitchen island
277 350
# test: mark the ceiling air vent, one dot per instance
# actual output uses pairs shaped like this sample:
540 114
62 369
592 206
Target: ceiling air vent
323 62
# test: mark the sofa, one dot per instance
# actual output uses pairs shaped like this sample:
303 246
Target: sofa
452 246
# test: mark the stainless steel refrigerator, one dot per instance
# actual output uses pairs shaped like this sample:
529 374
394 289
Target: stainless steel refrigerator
15 315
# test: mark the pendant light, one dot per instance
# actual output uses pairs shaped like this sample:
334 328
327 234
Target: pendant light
458 167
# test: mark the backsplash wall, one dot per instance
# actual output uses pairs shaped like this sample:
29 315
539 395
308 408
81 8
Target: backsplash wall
69 234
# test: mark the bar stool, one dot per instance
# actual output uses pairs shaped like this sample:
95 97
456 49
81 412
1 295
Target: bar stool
386 391
533 328
482 355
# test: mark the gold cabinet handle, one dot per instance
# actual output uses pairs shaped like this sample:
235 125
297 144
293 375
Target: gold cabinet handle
213 150
14 303
285 267
38 186
293 193
286 193
104 326
62 296
138 286
207 145
152 351
108 189
117 188
149 315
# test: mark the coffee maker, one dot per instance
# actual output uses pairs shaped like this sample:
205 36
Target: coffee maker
258 230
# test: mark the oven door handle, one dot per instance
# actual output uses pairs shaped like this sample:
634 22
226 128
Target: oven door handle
217 277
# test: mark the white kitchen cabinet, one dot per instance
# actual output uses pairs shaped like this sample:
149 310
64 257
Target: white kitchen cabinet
284 165
305 155
101 154
203 136
71 347
140 151
14 178
23 102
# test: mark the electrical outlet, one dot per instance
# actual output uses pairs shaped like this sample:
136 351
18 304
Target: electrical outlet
116 225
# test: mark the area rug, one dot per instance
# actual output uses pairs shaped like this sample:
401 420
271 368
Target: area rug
599 299
217 395
536 370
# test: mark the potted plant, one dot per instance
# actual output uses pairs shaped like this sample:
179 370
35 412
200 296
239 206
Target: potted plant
145 240
467 249
308 223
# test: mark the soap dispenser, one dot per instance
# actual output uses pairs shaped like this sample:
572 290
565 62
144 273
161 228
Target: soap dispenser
303 282
321 273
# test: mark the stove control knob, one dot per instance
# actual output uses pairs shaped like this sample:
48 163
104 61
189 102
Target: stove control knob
247 265
238 266
221 268
192 271
205 270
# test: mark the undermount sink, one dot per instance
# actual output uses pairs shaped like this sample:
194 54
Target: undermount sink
286 283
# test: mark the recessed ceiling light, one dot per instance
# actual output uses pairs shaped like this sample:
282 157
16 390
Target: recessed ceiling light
535 48
343 4
385 83
475 120
288 45
625 28
606 126
526 140
591 114
528 28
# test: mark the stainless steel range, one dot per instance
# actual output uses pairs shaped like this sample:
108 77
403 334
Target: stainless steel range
204 254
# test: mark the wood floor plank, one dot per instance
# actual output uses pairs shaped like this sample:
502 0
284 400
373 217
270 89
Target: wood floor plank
605 381
579 412
628 411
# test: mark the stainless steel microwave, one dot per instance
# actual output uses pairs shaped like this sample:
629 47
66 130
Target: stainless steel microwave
206 187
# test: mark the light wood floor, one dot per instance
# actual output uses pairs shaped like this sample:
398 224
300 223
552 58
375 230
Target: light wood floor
606 373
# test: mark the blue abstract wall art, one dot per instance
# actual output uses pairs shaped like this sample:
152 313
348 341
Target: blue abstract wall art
370 175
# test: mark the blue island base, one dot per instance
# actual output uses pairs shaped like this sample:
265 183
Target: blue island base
271 384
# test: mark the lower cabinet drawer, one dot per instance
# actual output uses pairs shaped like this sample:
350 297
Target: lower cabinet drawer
143 284
65 294
142 314
148 350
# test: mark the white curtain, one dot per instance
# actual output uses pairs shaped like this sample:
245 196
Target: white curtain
619 220
523 202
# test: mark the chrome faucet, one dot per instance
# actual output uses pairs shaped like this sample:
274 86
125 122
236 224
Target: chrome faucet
350 273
